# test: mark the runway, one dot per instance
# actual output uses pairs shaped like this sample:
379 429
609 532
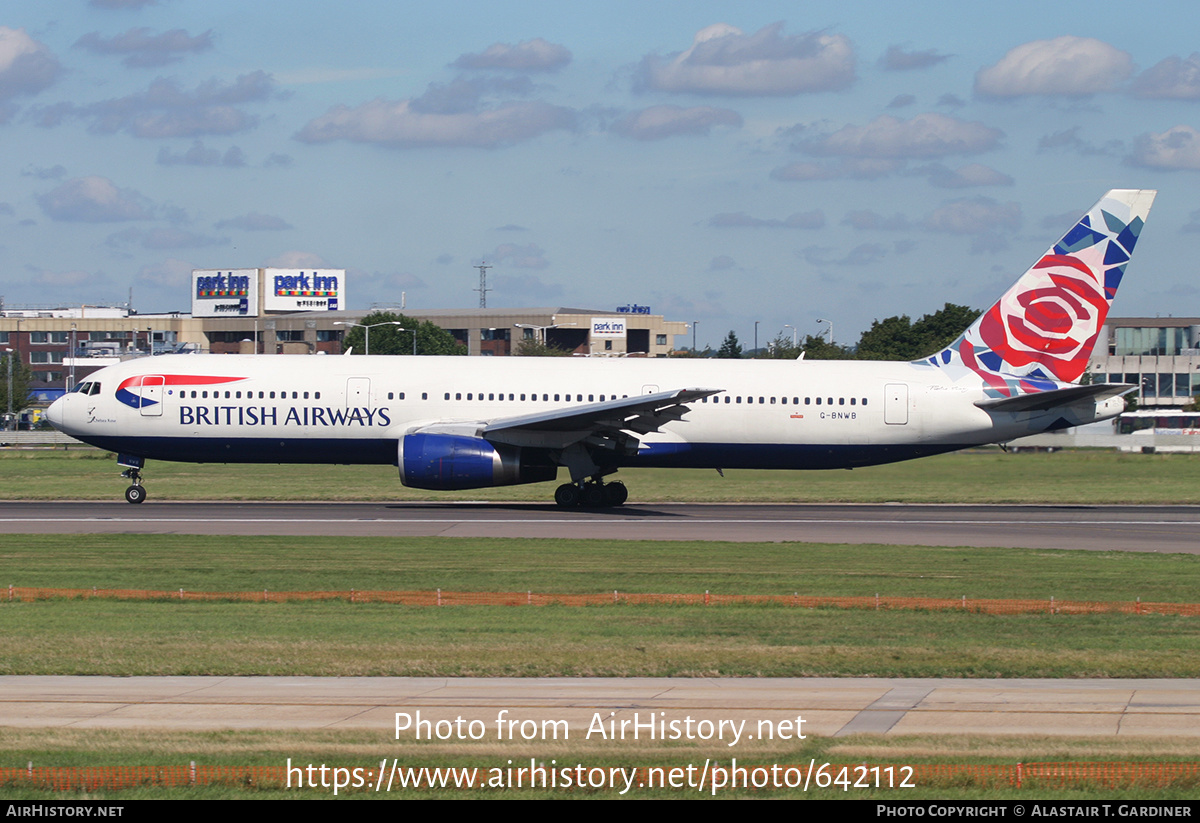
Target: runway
1170 529
832 707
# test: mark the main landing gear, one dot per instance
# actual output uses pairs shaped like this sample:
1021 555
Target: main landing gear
593 494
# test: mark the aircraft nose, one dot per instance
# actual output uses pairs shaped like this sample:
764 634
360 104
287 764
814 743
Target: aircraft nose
54 414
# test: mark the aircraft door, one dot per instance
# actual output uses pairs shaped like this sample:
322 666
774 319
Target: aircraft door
152 395
895 404
358 391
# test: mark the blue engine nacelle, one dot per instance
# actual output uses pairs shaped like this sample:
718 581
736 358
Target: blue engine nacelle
448 462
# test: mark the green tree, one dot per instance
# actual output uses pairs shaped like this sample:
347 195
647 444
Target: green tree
817 347
532 347
898 338
21 378
389 339
730 349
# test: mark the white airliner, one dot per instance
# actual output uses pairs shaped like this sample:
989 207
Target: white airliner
470 422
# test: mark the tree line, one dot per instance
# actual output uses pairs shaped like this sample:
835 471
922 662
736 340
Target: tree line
893 338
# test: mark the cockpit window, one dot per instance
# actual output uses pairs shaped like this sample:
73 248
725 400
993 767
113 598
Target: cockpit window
87 387
93 388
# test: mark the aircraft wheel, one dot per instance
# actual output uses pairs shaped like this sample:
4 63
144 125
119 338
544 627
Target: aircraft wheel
593 496
135 494
615 494
567 495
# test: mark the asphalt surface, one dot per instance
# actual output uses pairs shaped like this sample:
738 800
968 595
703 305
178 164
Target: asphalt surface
1110 528
830 706
837 707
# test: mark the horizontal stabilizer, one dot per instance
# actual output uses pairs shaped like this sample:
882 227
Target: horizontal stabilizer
1043 401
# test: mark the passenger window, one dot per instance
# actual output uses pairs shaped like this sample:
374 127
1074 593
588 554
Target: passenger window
203 394
317 396
852 399
726 398
424 395
841 401
447 397
389 395
864 401
818 401
401 395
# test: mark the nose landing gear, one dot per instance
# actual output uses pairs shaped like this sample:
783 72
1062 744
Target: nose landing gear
136 493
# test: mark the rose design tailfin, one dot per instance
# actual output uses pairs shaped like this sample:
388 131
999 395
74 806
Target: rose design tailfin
1040 334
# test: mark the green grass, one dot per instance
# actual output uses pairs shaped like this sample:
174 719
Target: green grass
365 749
985 476
321 563
343 639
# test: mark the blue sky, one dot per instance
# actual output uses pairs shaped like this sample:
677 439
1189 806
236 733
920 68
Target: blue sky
720 162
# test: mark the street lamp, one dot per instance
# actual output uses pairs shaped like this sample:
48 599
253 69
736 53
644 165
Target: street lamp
793 328
74 344
367 332
695 323
11 354
756 322
830 322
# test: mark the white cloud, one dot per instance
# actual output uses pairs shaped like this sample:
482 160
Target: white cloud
531 55
972 174
26 66
800 220
172 273
658 122
398 124
852 168
93 200
724 60
166 110
527 287
200 155
872 221
528 256
897 59
254 221
982 218
1071 66
1172 78
1176 148
924 136
143 49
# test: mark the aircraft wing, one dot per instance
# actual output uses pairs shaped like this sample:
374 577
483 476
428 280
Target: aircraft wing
611 424
1045 400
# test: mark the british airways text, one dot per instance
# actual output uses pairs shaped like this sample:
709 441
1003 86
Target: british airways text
274 416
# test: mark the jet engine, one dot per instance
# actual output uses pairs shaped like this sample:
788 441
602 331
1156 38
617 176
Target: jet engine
447 462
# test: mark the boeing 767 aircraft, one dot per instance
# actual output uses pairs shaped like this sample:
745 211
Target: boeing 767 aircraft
464 423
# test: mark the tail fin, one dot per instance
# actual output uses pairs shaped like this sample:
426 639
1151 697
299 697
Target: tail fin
1040 334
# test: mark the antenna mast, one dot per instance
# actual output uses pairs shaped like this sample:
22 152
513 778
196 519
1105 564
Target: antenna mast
483 289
